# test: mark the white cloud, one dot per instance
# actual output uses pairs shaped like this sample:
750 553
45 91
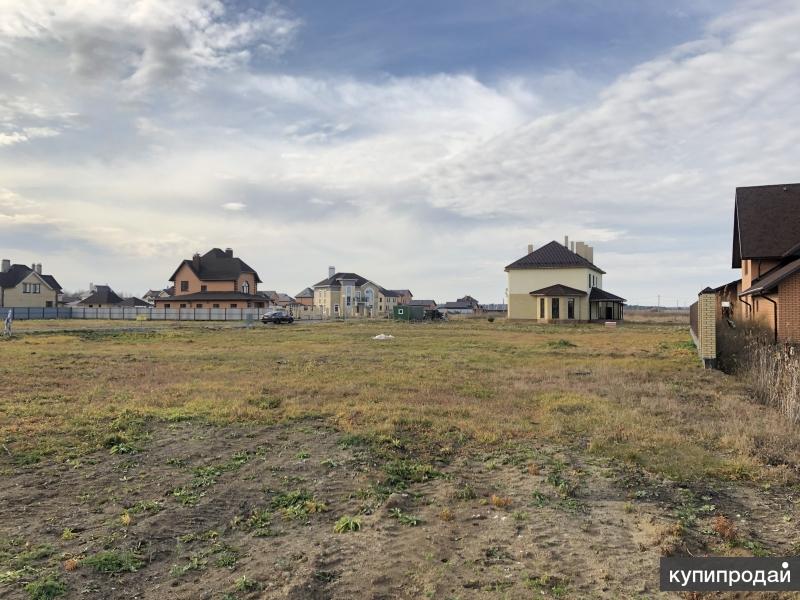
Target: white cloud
142 42
454 174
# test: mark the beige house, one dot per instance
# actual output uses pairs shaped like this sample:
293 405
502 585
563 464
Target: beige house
216 279
27 287
349 295
560 283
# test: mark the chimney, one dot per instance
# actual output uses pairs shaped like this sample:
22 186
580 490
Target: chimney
33 266
530 248
38 268
331 272
6 265
229 252
196 261
589 254
572 246
566 241
92 287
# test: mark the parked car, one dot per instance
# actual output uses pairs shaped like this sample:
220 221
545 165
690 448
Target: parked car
277 317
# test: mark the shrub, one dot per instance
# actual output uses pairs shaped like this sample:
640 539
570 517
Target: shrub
46 588
771 370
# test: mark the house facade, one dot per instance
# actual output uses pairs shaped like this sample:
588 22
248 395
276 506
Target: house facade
27 287
350 295
216 279
766 250
305 298
560 283
403 296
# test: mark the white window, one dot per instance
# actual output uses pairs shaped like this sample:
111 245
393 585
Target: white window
245 288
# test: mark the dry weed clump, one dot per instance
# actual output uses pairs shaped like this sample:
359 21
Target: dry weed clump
724 528
500 501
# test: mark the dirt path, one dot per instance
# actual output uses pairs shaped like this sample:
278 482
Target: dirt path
209 512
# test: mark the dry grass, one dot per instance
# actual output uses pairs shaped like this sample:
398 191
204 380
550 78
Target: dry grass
635 393
663 316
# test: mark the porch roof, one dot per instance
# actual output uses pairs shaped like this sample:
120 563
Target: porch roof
598 295
558 290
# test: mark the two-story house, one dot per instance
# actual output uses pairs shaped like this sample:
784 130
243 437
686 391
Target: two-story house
27 287
217 279
350 295
766 249
557 283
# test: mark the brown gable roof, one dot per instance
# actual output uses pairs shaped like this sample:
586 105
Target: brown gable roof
552 256
558 290
218 265
766 222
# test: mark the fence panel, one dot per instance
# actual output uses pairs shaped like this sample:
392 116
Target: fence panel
132 313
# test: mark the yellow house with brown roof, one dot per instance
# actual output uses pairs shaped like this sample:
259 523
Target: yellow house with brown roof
560 283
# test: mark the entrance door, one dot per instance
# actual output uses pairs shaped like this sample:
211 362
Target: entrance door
609 312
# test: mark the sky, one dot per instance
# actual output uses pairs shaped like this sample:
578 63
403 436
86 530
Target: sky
420 144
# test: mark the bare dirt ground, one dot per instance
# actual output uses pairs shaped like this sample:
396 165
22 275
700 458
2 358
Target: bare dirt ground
237 512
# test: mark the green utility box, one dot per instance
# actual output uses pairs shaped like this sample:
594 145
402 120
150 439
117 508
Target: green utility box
404 312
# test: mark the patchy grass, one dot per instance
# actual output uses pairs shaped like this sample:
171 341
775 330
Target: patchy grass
635 393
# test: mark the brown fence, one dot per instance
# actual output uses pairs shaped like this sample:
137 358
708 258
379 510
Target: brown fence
693 319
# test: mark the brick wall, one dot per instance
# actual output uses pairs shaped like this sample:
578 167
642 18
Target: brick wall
707 327
789 309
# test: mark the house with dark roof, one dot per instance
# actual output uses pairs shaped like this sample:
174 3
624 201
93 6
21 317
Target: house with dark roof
22 286
766 249
217 279
560 283
102 296
404 296
428 304
350 295
305 298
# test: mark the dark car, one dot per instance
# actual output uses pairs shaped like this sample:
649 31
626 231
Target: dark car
277 317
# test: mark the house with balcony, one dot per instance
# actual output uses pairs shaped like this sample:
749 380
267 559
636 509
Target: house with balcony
217 279
560 283
349 295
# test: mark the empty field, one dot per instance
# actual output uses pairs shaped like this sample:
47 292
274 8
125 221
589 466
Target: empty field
458 460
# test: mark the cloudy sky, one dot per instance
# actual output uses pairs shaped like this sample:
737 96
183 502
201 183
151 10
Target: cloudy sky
421 144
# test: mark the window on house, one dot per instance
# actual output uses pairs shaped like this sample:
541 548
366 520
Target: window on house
183 306
198 306
336 308
215 306
184 286
245 288
203 288
234 305
49 304
554 308
571 308
541 308
167 305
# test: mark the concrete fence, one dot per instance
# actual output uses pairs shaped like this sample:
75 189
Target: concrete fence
149 314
